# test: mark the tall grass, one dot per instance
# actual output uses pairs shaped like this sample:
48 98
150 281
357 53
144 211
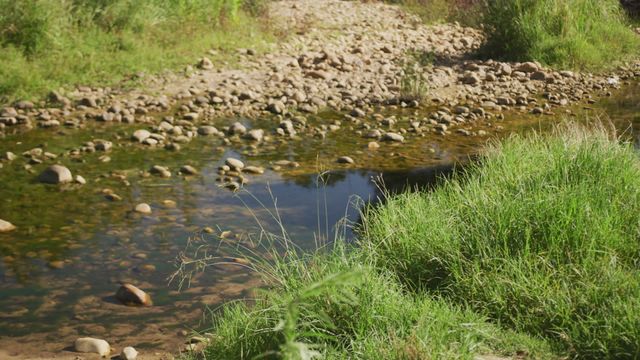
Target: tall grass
533 252
48 43
335 305
541 237
581 34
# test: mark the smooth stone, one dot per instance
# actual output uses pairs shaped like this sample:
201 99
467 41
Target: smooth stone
91 345
373 145
207 130
6 226
56 174
143 208
393 137
141 135
161 171
345 160
188 170
254 134
131 295
253 170
128 353
234 163
80 180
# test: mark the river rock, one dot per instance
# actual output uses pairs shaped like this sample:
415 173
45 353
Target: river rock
9 156
237 129
390 136
128 353
55 174
234 163
253 170
6 226
528 67
254 134
143 208
205 64
131 296
80 180
91 345
140 135
207 130
188 170
160 171
345 160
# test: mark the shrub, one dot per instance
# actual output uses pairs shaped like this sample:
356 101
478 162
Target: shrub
583 34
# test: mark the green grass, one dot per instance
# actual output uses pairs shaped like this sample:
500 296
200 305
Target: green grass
541 237
47 44
335 305
531 252
579 34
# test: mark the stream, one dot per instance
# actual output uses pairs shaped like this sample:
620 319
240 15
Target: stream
60 269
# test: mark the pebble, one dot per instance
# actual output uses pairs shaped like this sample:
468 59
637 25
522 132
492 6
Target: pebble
80 180
6 226
143 208
140 135
390 136
92 345
131 296
128 353
253 170
160 171
234 163
55 174
345 160
188 170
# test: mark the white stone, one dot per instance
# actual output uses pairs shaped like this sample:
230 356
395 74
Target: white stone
6 226
91 345
128 353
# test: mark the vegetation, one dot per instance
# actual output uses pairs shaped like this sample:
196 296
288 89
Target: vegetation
45 44
582 34
532 251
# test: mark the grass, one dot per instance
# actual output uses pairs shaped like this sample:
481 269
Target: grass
532 252
541 237
579 34
465 12
47 44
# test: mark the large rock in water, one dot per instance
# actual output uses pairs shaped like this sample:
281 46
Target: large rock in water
6 226
131 295
91 345
56 174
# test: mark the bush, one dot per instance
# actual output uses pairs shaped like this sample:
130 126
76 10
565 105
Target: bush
583 34
541 236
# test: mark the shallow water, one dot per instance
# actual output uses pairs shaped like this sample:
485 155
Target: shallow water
60 269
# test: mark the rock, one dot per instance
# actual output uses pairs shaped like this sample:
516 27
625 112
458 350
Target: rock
128 353
357 113
103 145
91 345
88 102
237 129
24 105
160 170
131 296
140 135
255 135
528 67
192 116
80 180
470 79
188 170
373 145
538 75
319 74
390 136
207 130
9 156
6 226
253 170
276 107
345 160
234 163
55 174
143 208
205 64
8 112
